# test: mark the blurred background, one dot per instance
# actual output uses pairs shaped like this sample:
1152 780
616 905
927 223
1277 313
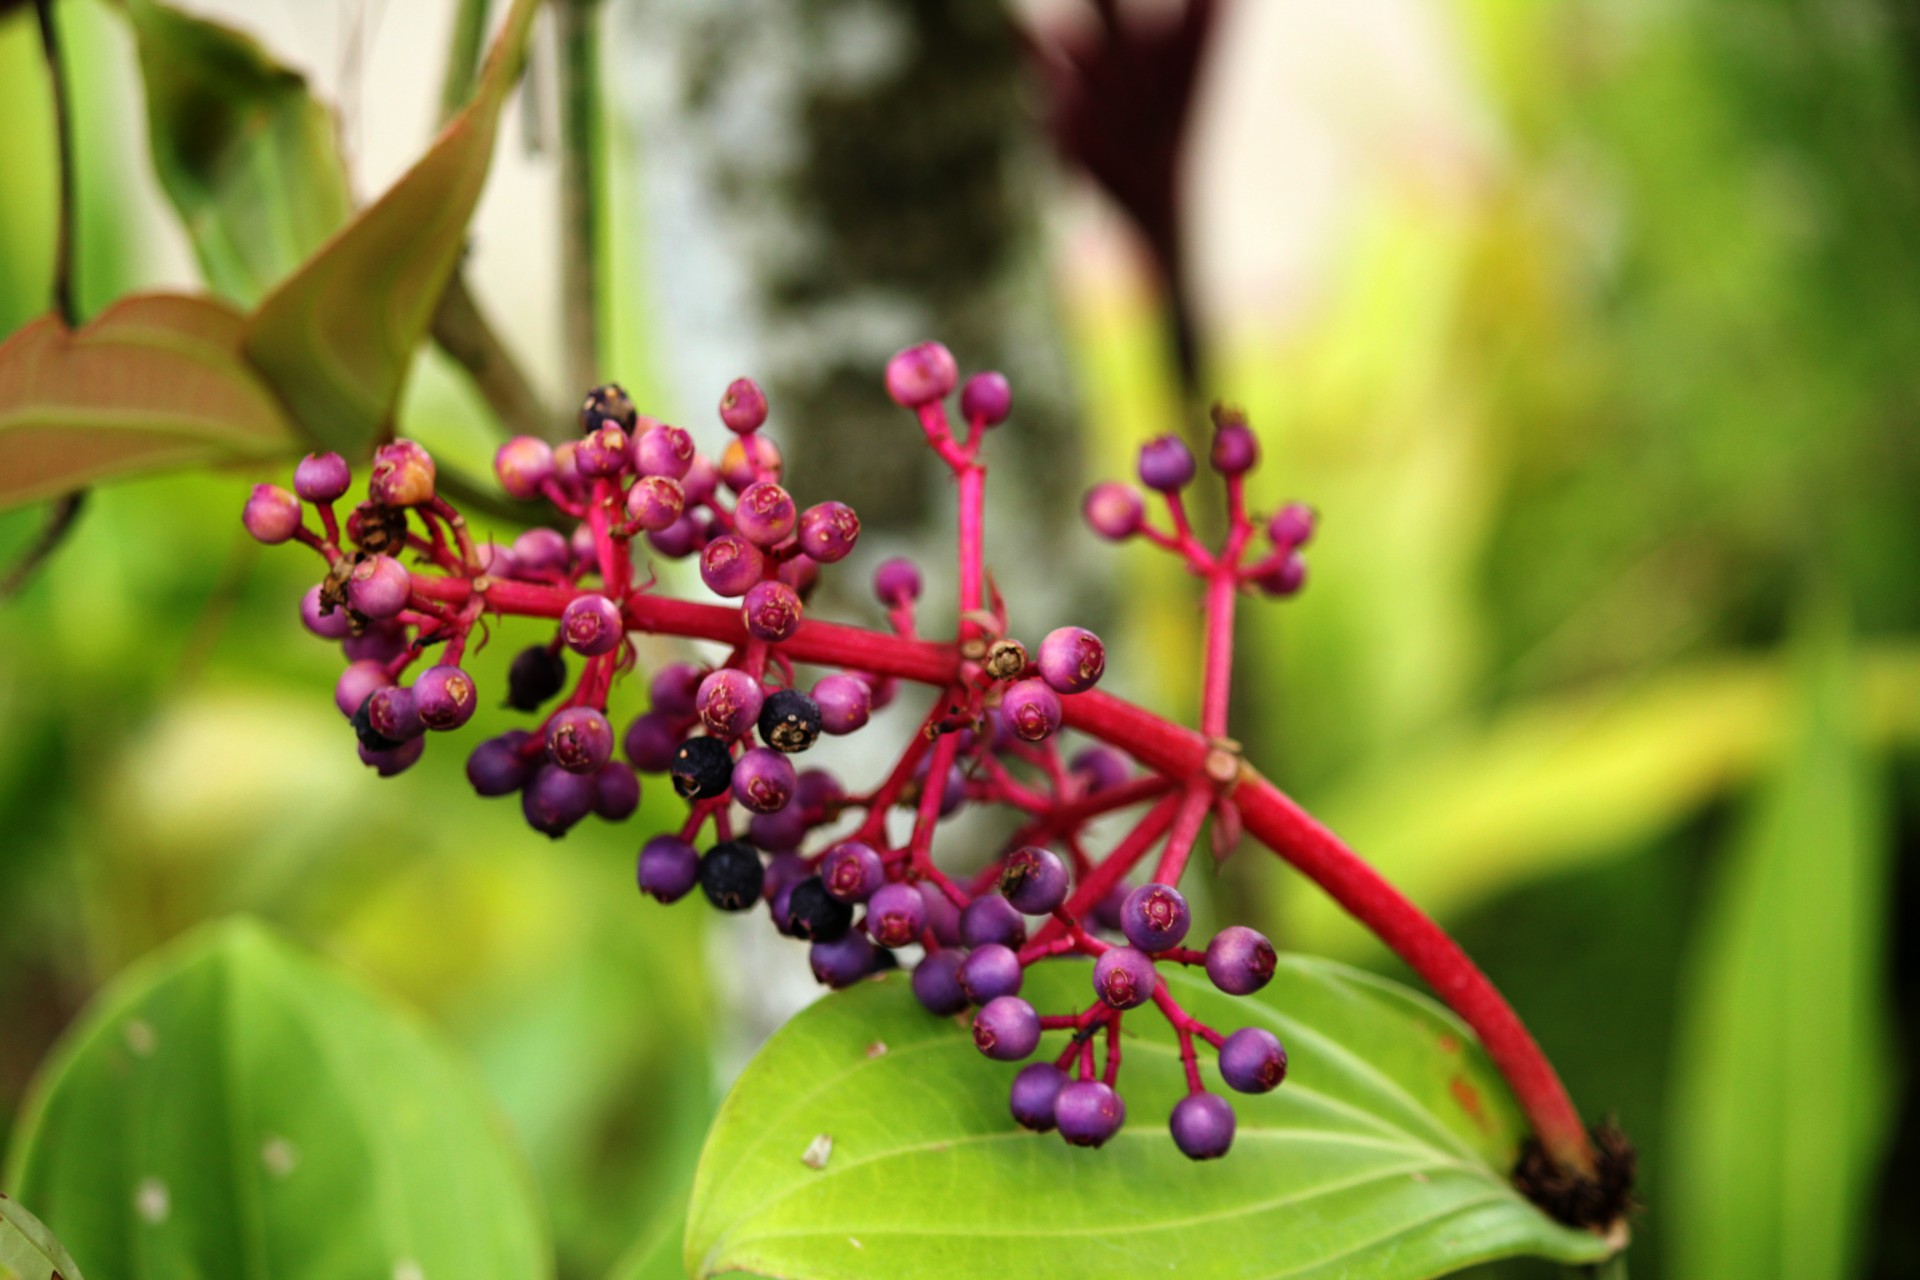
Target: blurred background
1592 330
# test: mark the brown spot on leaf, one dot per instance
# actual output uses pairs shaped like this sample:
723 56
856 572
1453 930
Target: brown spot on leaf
1469 1099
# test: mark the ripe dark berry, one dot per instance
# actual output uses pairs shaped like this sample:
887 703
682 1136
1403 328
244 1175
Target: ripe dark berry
815 915
744 406
936 983
1113 510
1006 1029
1123 978
1202 1126
1155 917
990 972
784 871
1034 880
497 767
986 399
445 697
668 868
702 768
730 564
535 675
1031 709
395 760
1252 1061
1166 464
763 780
650 742
522 465
853 871
729 702
845 703
591 625
896 914
579 740
991 918
1088 1112
379 587
765 514
920 375
828 531
1034 1092
371 739
1072 659
554 800
1106 912
616 792
844 961
897 582
789 720
608 402
1240 960
771 611
321 478
731 875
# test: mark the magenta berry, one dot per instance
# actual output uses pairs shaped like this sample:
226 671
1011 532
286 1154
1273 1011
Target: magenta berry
391 714
1166 464
897 583
1155 917
272 515
380 641
936 983
730 565
1088 1113
763 780
1285 578
896 913
1252 1061
357 683
987 398
393 760
379 587
1123 978
1006 1029
674 688
616 792
655 503
668 868
1202 1126
1240 960
1035 1091
445 697
555 799
1032 709
1034 880
844 961
771 611
991 918
744 406
327 624
765 514
1113 510
990 972
702 768
1291 526
497 767
852 871
650 742
541 552
1072 659
321 478
749 459
522 465
828 531
845 703
1235 451
591 626
1102 768
402 475
729 702
666 452
920 375
603 454
579 740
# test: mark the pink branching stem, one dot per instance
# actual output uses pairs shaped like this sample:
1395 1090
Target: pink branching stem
1186 829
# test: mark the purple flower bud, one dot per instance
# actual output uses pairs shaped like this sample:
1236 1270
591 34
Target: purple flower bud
603 454
392 714
402 475
497 767
522 465
729 702
763 780
771 611
828 531
1291 526
579 740
663 451
1032 709
668 868
322 478
852 871
896 913
896 582
765 514
555 799
591 625
542 552
379 586
1113 510
1285 578
1072 659
655 502
1166 464
744 406
986 399
272 515
845 703
335 625
920 375
445 697
651 741
616 792
730 565
395 759
674 687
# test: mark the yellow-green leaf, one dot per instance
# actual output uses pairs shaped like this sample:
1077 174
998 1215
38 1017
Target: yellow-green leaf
28 1250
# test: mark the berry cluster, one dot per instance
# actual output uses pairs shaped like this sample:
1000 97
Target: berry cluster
824 859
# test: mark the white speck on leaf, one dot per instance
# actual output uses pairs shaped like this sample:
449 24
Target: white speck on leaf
408 1269
140 1037
877 1049
152 1201
279 1156
855 1243
818 1152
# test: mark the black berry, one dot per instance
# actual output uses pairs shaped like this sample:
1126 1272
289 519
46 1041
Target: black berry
789 720
816 915
731 875
702 768
536 675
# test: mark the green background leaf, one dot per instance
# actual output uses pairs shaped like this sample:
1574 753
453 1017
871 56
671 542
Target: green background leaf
28 1250
234 1107
1382 1156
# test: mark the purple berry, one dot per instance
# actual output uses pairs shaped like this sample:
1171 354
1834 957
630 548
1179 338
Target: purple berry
357 683
1034 1092
541 552
536 674
616 792
650 742
801 572
1006 1029
1202 1126
445 697
1155 917
731 875
334 625
1032 709
744 406
1106 912
789 721
730 565
991 918
393 714
1252 1061
897 582
1166 464
603 454
379 586
566 466
771 611
591 625
749 459
321 478
702 768
987 399
765 514
379 642
1034 880
393 760
555 799
943 917
681 538
778 832
896 913
845 702
663 451
1102 768
784 871
763 780
674 687
272 515
668 868
920 375
828 531
1291 526
1285 578
853 871
655 503
402 475
1123 978
522 465
497 767
990 972
1235 451
1072 659
729 702
1240 960
579 740
1088 1112
1113 510
843 961
936 983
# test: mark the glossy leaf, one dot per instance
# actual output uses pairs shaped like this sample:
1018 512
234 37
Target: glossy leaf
233 1106
246 154
337 337
1780 1109
28 1250
155 381
1383 1156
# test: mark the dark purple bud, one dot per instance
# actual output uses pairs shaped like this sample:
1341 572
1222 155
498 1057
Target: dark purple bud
272 515
789 721
522 465
744 406
1034 1092
1072 659
1240 960
1202 1126
852 871
990 972
497 767
1006 1029
771 611
783 872
936 984
815 915
393 760
591 625
987 399
828 531
1166 464
845 703
616 792
1123 978
1032 709
991 918
896 582
817 789
729 702
402 475
555 799
668 868
1106 912
651 740
1034 880
730 565
328 626
1252 1061
731 875
322 478
536 674
763 780
896 913
920 375
1155 917
579 740
943 916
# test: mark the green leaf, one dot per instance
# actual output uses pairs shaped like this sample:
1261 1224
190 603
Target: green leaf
1780 1109
28 1250
337 337
1383 1156
155 381
247 156
233 1106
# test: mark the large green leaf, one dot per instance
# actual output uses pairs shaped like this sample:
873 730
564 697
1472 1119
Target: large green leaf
234 1107
248 157
28 1250
337 337
155 381
1780 1107
1382 1157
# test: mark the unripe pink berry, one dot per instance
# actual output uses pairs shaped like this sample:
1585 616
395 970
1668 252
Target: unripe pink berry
522 465
402 475
749 458
744 406
335 625
702 479
603 453
663 451
655 502
1291 526
1032 709
730 565
272 515
897 582
845 703
591 625
771 611
1285 578
986 399
566 464
920 375
1166 464
322 477
729 702
541 551
828 531
1113 510
765 514
1072 659
379 586
357 683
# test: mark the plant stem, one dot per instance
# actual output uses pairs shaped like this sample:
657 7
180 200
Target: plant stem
578 24
463 56
464 334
